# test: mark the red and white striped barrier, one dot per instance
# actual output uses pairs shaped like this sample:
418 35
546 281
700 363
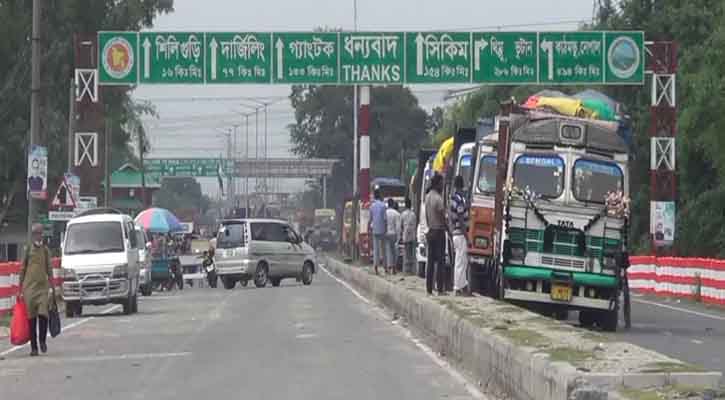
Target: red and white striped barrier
9 282
702 278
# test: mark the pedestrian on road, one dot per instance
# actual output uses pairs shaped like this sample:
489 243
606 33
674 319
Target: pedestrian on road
459 226
408 230
435 215
392 217
379 227
35 281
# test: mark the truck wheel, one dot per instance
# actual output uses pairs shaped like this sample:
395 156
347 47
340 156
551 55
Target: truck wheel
561 314
608 320
128 305
244 282
586 319
276 282
229 283
146 290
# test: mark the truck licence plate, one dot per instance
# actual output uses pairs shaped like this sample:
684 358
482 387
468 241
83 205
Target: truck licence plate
561 292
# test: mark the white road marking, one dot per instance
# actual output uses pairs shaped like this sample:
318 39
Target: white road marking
696 341
65 328
306 336
443 364
117 357
684 310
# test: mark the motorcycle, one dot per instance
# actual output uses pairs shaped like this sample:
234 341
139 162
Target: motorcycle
210 269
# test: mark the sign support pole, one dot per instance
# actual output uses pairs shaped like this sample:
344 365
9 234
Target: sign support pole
71 121
34 103
364 143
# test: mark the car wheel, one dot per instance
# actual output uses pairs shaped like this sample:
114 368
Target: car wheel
276 281
260 276
307 273
229 283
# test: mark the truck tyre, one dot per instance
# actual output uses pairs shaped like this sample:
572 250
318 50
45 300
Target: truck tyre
608 320
586 319
229 283
261 275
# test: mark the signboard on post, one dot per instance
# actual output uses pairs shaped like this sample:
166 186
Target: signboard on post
662 222
348 58
37 184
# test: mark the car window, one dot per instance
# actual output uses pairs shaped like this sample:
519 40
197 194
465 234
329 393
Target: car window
269 231
230 235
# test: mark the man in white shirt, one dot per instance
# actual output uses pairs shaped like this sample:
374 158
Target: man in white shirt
407 237
392 217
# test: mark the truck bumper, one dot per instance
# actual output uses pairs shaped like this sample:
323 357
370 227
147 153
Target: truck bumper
96 291
576 301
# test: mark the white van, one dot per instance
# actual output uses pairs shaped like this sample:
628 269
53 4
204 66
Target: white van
100 261
261 250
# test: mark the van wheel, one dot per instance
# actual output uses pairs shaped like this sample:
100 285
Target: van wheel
307 274
260 276
276 282
229 283
73 309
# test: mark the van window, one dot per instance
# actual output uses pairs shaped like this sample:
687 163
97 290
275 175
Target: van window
230 235
133 240
94 237
269 231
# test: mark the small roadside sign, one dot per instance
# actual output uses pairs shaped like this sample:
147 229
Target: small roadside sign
61 215
63 197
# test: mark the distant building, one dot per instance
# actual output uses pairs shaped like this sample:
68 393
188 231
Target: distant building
126 190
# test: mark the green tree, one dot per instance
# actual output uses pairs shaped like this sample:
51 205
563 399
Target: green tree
324 127
60 20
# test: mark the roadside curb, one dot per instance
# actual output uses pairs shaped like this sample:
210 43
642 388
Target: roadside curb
519 371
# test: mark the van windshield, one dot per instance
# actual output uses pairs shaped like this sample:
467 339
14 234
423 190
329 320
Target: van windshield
94 237
466 165
230 235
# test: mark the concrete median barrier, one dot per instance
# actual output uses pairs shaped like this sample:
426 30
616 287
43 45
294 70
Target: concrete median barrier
522 354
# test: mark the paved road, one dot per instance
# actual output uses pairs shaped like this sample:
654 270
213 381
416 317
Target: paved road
293 342
688 331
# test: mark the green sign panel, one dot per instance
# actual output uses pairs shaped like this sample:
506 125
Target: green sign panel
347 58
171 57
195 167
505 57
372 57
238 57
305 58
438 57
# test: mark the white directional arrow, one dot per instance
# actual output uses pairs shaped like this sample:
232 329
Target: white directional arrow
280 61
419 41
213 45
147 58
548 47
478 46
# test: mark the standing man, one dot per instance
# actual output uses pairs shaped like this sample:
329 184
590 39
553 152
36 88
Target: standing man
392 235
435 215
34 285
459 227
408 232
379 227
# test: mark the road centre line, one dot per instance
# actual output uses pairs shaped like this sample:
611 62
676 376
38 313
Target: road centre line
443 364
71 326
684 310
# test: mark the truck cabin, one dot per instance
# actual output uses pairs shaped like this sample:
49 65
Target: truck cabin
480 230
556 225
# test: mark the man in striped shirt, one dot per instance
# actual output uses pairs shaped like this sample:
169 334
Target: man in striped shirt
458 217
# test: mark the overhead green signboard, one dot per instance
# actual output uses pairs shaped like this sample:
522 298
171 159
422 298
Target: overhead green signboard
438 57
305 58
371 57
347 58
194 167
171 57
238 57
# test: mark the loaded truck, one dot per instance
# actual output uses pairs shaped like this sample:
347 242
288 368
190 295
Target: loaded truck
561 214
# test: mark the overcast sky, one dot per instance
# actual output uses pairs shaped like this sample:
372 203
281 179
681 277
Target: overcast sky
191 126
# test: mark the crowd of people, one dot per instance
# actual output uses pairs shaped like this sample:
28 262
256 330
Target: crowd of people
391 228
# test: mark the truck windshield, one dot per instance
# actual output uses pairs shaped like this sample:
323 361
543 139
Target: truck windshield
487 174
542 174
94 237
594 179
465 170
230 235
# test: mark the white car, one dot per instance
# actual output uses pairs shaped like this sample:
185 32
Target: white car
262 250
100 261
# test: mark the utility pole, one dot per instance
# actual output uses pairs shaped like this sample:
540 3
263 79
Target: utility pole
355 191
141 144
107 160
246 160
71 123
266 157
34 102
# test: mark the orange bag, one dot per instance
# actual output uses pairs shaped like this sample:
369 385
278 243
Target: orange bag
19 327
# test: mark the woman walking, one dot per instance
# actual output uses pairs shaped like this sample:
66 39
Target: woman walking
35 283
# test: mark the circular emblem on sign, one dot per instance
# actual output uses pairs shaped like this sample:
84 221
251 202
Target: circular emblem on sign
118 58
624 57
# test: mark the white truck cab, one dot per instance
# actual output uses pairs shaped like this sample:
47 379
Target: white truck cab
100 261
